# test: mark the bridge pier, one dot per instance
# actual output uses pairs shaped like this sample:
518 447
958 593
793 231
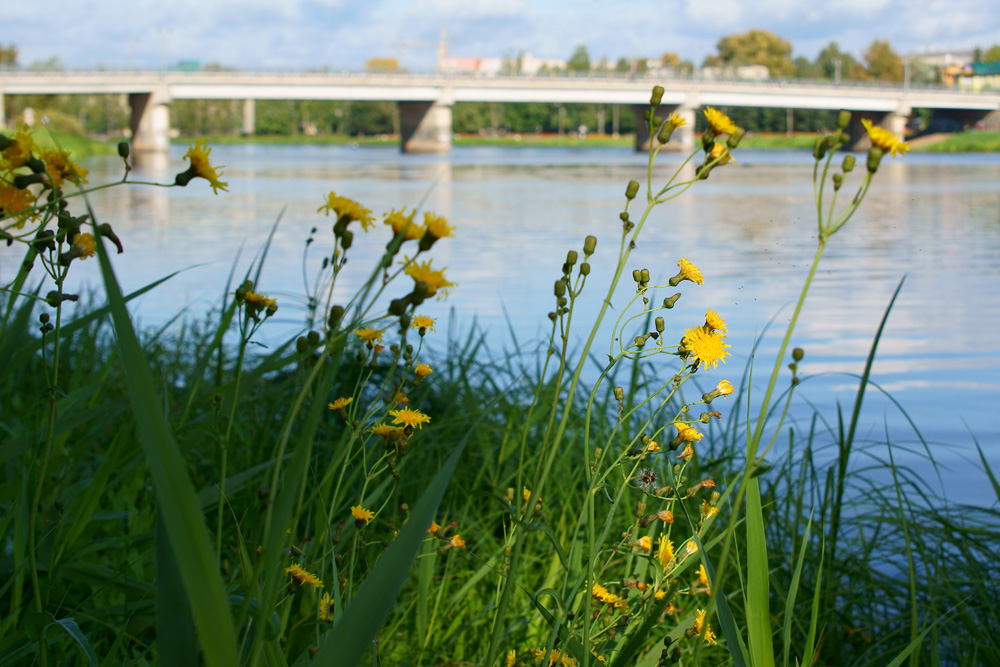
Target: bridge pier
150 122
895 122
249 126
3 112
682 140
425 127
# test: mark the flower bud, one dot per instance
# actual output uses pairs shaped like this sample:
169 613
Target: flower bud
631 190
843 119
123 149
666 131
819 148
637 275
619 394
560 288
571 257
660 325
644 275
735 138
848 164
657 96
838 180
874 158
585 269
798 353
589 245
336 314
301 344
313 338
397 307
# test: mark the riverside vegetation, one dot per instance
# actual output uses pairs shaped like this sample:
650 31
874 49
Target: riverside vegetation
348 498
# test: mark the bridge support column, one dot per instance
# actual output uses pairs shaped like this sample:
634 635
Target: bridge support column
682 140
150 122
425 127
3 112
895 122
249 117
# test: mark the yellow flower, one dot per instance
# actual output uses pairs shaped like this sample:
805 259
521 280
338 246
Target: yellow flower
435 280
885 139
423 324
341 403
258 300
653 446
666 551
646 543
436 226
399 221
708 348
690 272
457 542
511 658
703 578
60 167
386 430
707 509
677 121
369 335
434 527
85 243
17 203
688 433
422 370
19 152
702 628
659 595
408 417
201 167
526 493
324 608
721 153
713 322
348 210
719 121
361 514
303 577
691 547
724 388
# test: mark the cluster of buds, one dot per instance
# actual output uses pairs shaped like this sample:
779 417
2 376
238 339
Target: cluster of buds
254 303
797 355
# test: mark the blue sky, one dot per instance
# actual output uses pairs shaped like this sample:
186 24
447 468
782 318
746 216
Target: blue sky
342 34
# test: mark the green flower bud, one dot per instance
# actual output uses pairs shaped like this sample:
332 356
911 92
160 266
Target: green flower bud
123 149
874 158
666 131
843 119
798 353
657 96
397 307
589 245
336 314
313 338
623 216
637 275
671 300
632 190
585 269
848 164
301 344
640 341
346 239
571 257
644 276
735 138
619 394
838 180
660 326
819 148
560 288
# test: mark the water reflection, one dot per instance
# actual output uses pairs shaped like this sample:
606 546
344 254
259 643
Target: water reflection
750 228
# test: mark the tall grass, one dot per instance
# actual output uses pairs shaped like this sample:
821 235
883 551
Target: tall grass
171 497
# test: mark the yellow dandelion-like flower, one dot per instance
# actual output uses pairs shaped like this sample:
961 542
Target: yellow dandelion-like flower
691 547
434 279
724 388
324 608
302 576
707 509
348 210
369 335
511 658
526 493
677 121
708 348
713 322
422 370
400 220
688 451
201 167
659 595
341 403
386 430
690 272
408 417
666 551
423 324
17 203
701 627
434 527
688 433
457 542
18 153
60 167
436 226
653 446
721 153
258 300
85 244
646 543
884 139
719 121
703 577
361 514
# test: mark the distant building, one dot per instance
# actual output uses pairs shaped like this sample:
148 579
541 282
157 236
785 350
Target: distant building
524 64
950 64
745 72
981 76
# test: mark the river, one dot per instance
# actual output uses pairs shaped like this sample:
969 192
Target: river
750 228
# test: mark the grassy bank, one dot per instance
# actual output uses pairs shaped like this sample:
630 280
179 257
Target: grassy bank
77 144
185 496
973 141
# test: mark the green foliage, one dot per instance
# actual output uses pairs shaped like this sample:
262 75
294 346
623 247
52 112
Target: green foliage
579 61
990 55
755 47
883 63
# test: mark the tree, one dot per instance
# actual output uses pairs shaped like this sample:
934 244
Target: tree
579 61
883 63
831 57
672 61
990 55
623 66
756 47
8 56
383 65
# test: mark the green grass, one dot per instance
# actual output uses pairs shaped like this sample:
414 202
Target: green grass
972 141
77 144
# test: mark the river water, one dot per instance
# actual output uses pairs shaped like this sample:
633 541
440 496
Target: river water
750 228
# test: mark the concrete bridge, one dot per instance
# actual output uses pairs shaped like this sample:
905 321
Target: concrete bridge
425 101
